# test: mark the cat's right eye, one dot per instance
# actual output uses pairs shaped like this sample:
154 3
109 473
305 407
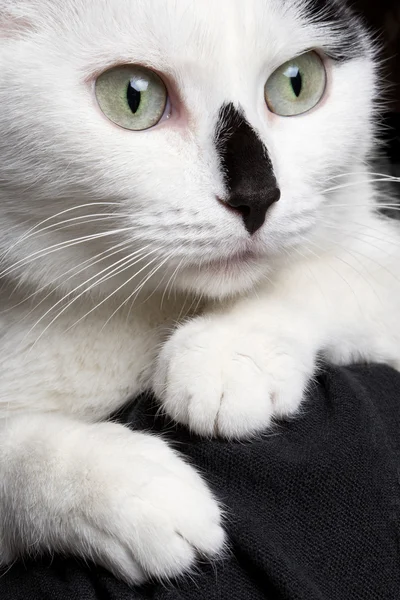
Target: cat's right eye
132 97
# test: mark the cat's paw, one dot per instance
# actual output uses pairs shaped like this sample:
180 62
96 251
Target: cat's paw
221 377
150 514
123 499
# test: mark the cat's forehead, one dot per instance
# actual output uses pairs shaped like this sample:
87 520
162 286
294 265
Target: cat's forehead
174 34
169 26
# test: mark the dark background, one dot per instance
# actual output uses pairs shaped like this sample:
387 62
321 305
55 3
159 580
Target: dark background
383 16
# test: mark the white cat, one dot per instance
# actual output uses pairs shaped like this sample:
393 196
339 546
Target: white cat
159 159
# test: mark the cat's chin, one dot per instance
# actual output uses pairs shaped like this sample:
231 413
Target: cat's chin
221 279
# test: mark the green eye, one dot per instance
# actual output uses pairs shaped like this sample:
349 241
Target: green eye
132 97
297 86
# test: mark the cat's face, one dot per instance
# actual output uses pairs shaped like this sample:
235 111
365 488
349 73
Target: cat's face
163 191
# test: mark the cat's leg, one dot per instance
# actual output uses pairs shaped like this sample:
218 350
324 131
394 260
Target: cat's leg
230 372
69 483
121 498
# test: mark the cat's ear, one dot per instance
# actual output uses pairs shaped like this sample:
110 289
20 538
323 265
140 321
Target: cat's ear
13 23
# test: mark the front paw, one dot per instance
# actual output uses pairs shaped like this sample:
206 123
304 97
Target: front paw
123 499
158 519
220 377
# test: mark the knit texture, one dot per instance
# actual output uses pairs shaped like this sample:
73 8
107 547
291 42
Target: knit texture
313 507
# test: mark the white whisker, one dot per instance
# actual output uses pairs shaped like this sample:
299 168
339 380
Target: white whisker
78 221
63 212
340 275
394 206
115 291
171 280
115 271
139 287
355 183
370 258
76 270
362 231
364 173
61 246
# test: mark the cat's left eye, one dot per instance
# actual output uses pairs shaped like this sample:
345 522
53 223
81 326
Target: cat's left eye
297 86
131 96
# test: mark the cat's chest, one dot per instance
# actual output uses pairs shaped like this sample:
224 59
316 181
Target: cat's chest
83 364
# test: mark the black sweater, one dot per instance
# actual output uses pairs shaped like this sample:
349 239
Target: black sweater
313 507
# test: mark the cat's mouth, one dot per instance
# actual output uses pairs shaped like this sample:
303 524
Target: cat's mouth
225 275
232 263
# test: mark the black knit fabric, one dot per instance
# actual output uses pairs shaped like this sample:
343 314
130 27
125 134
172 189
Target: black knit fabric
313 507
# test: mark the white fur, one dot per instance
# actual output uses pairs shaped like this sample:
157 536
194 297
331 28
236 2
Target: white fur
82 326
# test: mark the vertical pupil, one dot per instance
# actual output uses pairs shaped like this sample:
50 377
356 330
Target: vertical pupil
133 97
297 83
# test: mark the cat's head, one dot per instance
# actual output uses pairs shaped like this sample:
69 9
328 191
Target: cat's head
177 141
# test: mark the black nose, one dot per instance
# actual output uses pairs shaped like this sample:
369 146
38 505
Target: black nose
247 168
253 208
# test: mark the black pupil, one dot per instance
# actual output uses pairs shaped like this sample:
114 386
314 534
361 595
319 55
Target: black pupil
133 97
297 83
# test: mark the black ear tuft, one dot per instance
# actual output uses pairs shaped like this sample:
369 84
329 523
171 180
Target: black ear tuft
350 30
